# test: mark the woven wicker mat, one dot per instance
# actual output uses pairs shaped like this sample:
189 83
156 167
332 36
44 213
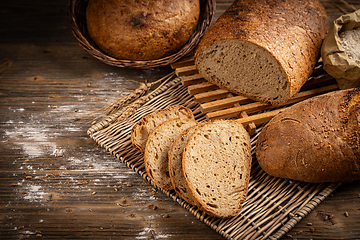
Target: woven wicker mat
273 205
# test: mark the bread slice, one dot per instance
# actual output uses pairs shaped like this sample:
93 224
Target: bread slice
142 129
216 166
157 148
264 50
175 158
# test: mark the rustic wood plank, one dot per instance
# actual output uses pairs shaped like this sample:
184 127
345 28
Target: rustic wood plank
187 70
260 118
224 103
47 84
192 79
250 125
184 62
257 106
201 87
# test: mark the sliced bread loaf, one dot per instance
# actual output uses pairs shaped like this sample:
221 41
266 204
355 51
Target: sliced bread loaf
265 50
175 158
142 129
157 148
216 166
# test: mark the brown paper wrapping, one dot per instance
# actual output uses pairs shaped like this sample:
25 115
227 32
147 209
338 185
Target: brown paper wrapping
336 62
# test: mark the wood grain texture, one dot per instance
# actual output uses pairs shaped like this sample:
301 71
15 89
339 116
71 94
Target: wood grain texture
55 182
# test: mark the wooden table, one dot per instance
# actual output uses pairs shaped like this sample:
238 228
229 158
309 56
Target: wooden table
56 183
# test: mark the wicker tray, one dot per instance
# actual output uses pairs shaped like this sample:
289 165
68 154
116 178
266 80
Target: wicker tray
273 205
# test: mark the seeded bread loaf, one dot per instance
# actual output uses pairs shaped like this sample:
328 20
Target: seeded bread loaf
157 148
317 140
142 129
175 158
216 166
264 50
141 30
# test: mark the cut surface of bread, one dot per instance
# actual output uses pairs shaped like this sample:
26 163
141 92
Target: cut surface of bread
175 158
216 166
157 148
230 62
264 50
142 129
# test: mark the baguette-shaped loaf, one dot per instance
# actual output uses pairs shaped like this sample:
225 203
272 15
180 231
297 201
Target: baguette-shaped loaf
317 140
175 158
142 129
264 50
216 166
157 148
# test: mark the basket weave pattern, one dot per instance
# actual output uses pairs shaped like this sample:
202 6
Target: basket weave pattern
273 205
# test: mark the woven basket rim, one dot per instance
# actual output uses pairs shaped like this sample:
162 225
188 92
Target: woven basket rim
76 16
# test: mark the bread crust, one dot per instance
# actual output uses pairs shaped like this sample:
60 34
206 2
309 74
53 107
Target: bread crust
317 140
291 31
141 30
141 130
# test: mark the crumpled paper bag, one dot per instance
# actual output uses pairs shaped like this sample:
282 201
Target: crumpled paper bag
336 62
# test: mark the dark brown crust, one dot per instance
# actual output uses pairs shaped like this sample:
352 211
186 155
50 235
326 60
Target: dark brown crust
316 140
143 30
292 31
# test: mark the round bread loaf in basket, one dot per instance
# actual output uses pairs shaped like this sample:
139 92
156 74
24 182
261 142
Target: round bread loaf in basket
77 19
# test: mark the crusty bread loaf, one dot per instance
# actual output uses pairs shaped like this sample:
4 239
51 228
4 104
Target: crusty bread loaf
141 30
265 50
317 140
216 166
157 148
175 158
142 129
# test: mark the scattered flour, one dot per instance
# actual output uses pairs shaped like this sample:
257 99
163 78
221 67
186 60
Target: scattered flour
32 138
145 234
34 193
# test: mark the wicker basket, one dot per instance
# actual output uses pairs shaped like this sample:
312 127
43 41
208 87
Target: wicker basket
77 18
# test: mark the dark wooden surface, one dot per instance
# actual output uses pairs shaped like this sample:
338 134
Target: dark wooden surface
55 182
